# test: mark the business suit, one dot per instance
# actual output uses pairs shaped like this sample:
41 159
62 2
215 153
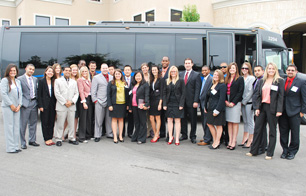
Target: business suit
28 111
140 118
267 112
206 84
11 120
112 100
65 91
85 120
294 103
129 116
162 132
156 95
46 101
99 97
192 92
246 107
179 93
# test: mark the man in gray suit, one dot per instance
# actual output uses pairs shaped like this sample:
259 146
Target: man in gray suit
67 94
29 110
99 97
206 84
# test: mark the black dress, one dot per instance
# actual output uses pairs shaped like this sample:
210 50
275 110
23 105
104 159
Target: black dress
155 97
214 120
173 105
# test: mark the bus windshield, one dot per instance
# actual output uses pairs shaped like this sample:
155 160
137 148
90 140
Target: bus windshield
277 57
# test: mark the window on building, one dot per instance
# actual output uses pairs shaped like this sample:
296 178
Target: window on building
176 15
91 23
61 21
137 17
19 21
96 0
150 15
42 20
6 23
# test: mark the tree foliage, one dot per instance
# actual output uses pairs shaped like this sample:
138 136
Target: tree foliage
190 14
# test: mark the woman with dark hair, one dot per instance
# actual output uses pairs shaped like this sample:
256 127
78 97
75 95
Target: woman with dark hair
57 70
46 104
139 103
173 103
156 99
117 99
235 87
11 102
215 108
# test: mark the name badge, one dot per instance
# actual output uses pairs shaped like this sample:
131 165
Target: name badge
274 87
130 92
213 91
157 91
294 89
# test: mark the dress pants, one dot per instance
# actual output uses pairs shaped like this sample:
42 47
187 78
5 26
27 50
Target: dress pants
130 124
162 132
265 114
191 114
287 124
140 122
85 120
102 115
47 118
11 122
28 116
248 118
92 120
61 117
207 135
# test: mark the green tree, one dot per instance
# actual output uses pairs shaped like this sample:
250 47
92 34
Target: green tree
190 14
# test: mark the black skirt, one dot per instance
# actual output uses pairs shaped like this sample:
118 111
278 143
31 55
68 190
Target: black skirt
216 120
119 111
153 111
174 112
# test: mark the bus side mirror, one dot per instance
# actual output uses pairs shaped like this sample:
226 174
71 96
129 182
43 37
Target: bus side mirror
290 56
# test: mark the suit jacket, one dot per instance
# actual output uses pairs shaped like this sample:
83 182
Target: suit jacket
26 98
193 87
255 90
112 94
216 101
236 91
157 93
143 92
13 97
84 87
179 90
166 74
206 88
276 97
248 90
65 91
43 94
99 89
295 97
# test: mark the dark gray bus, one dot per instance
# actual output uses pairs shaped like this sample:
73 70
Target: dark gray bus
132 43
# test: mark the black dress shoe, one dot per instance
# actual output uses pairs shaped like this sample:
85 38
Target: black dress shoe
73 142
23 146
283 156
130 136
33 144
183 138
194 141
58 143
18 150
97 139
290 156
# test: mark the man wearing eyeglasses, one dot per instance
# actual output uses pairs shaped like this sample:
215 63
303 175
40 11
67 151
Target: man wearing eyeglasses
294 109
223 67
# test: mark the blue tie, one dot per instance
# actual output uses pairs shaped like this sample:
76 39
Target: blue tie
203 83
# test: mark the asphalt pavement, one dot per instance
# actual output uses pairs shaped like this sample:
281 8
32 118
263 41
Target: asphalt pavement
105 168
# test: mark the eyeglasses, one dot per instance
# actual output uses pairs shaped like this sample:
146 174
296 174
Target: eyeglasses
223 66
245 68
290 70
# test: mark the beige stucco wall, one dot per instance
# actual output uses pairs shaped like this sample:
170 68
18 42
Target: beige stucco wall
8 13
274 16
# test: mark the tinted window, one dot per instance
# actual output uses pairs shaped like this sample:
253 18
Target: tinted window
189 46
150 16
40 49
61 22
176 15
137 18
73 47
42 20
117 49
151 48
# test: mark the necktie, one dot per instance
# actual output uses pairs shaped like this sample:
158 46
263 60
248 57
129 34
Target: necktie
186 77
128 81
203 83
287 87
31 88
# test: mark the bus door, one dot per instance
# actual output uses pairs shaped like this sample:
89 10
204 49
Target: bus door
220 48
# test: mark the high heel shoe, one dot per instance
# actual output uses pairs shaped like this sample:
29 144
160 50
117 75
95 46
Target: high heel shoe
154 141
170 142
116 142
121 140
214 148
243 143
177 143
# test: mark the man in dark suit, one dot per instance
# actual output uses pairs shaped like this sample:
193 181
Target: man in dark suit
129 118
165 69
258 72
294 109
206 83
29 110
192 82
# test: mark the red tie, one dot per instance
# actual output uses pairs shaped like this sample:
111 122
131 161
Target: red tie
186 77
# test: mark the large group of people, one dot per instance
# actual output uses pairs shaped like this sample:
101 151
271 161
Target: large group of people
77 104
